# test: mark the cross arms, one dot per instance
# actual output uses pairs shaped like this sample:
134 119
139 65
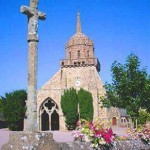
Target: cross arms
41 15
31 12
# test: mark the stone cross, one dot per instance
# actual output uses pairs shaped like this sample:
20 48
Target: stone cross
30 122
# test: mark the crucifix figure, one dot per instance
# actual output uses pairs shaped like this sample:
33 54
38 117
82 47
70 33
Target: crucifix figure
30 122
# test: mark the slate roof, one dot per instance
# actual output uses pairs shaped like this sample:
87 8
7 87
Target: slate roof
123 112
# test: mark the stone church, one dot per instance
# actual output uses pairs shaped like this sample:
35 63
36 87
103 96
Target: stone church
79 69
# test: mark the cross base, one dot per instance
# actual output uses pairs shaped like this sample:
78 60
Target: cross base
31 141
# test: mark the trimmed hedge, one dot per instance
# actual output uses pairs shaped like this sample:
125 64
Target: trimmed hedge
70 101
69 104
85 105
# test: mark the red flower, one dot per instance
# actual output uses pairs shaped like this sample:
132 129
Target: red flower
108 136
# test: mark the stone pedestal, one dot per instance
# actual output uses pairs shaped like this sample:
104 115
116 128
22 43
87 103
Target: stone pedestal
31 141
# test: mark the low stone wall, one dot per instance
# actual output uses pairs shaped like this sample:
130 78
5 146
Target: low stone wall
31 141
44 141
122 145
131 145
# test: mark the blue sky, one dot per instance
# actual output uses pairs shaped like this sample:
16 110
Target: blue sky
117 27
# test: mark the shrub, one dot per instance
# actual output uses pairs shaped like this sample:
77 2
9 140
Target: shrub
13 108
69 104
98 133
143 117
85 104
70 101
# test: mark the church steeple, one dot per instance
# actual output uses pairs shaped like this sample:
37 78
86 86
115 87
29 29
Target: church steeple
80 50
78 28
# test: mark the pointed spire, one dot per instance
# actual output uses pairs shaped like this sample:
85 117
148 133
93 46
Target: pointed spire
78 23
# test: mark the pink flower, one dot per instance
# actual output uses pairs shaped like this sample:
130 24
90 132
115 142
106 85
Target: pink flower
98 134
92 127
78 123
108 136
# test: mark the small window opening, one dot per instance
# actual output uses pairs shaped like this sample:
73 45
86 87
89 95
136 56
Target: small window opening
88 53
69 55
78 54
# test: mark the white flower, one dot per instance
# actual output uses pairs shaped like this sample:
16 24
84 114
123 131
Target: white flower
102 141
86 139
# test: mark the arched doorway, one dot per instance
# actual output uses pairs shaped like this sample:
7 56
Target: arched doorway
49 116
114 121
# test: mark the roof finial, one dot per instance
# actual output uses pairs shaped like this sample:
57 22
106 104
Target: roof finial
78 23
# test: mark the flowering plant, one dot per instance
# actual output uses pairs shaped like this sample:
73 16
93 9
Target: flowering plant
141 133
98 133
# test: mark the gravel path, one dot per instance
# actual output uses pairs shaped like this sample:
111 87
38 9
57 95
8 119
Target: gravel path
58 136
4 135
119 130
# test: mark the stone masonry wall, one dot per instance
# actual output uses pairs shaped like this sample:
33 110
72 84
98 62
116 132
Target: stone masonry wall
87 77
122 145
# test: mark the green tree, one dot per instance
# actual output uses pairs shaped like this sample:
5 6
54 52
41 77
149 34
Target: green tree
130 88
69 104
13 108
143 117
1 105
146 96
85 104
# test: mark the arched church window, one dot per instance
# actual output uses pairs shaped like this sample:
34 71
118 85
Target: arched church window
49 115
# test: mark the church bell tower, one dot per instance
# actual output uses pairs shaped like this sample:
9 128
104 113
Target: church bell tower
80 50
